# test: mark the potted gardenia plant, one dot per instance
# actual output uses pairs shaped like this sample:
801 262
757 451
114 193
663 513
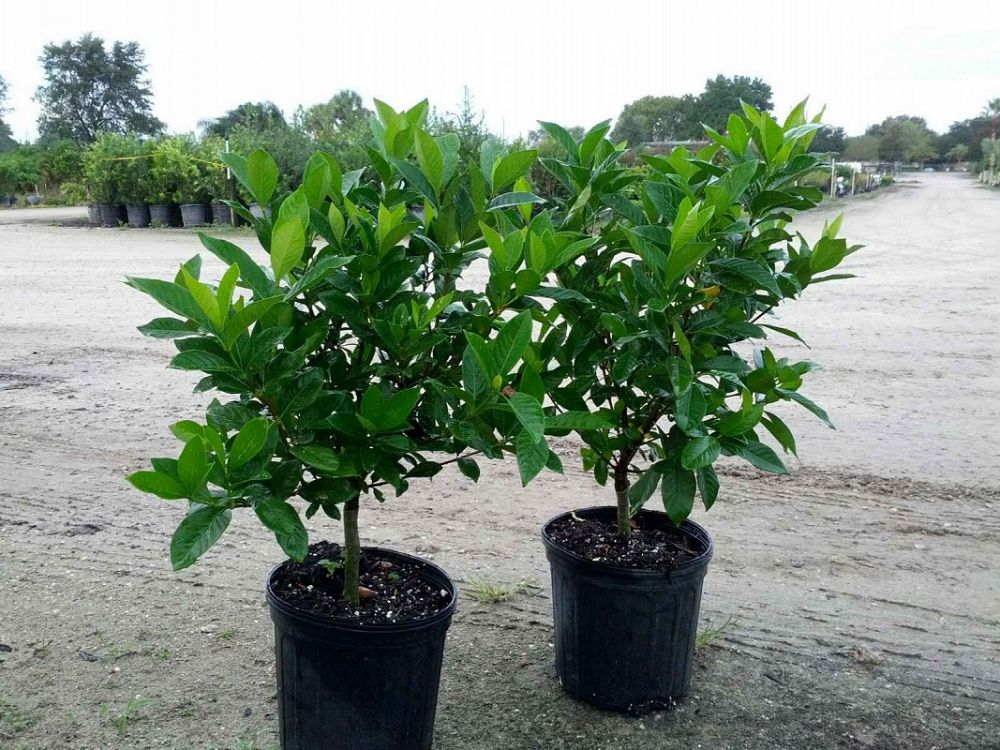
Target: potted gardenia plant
138 185
691 258
192 176
209 150
167 160
352 367
106 174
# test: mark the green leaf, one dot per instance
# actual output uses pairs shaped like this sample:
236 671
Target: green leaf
158 483
281 518
250 272
238 324
779 430
288 240
677 488
808 404
167 328
510 344
690 411
513 199
203 297
199 530
760 456
642 490
827 254
196 359
700 452
787 332
563 138
261 175
396 409
172 296
684 258
737 423
187 429
529 413
748 269
532 456
248 441
578 421
510 167
469 468
318 457
431 159
708 485
424 469
475 379
193 466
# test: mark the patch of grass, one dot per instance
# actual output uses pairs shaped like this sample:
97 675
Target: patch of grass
227 634
707 636
129 713
116 649
488 592
159 653
13 719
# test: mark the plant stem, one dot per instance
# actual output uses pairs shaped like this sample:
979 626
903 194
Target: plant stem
621 492
352 552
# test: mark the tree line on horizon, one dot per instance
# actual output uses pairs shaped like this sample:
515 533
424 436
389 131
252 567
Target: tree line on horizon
92 88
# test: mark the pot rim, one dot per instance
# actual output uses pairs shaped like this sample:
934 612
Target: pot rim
692 529
405 627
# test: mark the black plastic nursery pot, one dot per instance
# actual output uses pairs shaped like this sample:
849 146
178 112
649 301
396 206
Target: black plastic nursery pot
93 214
221 214
160 214
138 215
194 214
624 638
345 686
111 214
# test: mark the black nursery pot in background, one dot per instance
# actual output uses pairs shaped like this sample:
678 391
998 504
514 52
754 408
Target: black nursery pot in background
346 686
160 214
138 215
221 214
111 214
194 214
625 638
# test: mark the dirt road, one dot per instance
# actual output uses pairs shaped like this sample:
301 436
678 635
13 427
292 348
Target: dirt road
862 592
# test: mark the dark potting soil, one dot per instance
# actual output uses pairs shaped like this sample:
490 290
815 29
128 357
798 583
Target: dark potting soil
392 591
648 547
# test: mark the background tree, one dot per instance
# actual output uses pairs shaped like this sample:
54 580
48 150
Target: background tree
862 148
330 121
339 126
828 139
722 97
655 119
250 115
469 124
904 138
958 152
7 141
91 90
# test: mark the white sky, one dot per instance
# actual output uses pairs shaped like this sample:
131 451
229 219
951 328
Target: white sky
571 61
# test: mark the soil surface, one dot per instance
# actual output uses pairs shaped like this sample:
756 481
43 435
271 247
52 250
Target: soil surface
649 546
390 592
853 604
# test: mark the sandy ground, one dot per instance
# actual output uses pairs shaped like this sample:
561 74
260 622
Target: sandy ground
861 592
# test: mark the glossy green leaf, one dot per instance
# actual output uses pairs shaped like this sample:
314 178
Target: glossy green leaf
196 534
248 442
